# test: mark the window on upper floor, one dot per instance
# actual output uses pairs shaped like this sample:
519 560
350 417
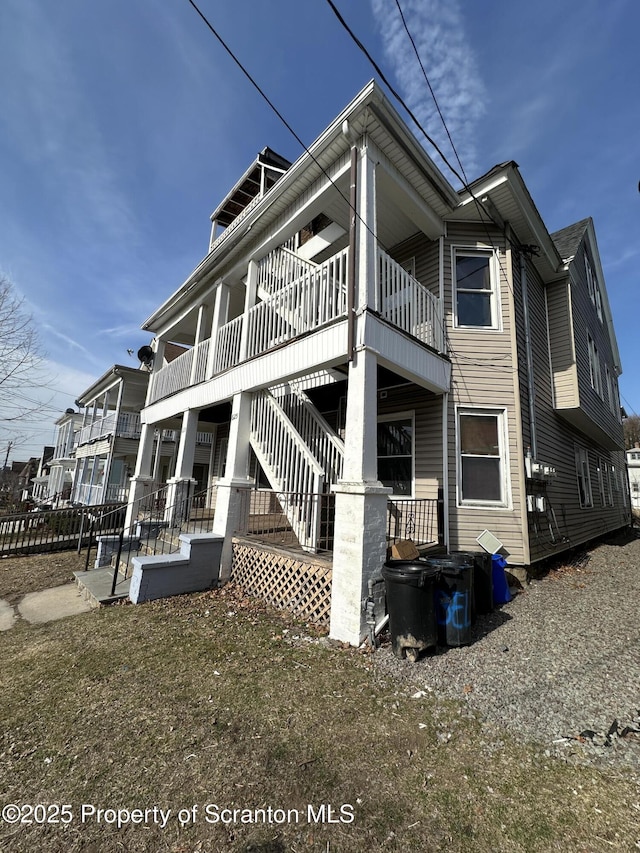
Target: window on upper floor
476 290
595 373
482 457
593 287
584 477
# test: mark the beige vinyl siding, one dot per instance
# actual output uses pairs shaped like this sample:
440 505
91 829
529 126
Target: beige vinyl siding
564 523
563 359
484 376
427 412
426 257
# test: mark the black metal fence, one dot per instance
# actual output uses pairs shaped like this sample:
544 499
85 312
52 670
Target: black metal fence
57 529
419 520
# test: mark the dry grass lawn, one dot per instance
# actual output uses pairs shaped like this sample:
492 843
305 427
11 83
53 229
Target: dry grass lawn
212 700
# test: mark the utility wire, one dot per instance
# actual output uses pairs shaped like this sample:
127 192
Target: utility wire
277 112
433 94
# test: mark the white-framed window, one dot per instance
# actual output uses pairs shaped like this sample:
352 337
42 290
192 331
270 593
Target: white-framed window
584 477
482 457
396 453
595 373
609 484
476 296
593 287
601 471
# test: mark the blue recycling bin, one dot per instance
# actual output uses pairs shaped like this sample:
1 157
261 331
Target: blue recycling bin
501 593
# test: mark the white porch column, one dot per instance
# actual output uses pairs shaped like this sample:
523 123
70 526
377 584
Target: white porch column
141 482
233 487
249 302
360 544
219 318
181 485
202 329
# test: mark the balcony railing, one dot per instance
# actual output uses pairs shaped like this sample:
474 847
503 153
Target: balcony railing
302 297
127 426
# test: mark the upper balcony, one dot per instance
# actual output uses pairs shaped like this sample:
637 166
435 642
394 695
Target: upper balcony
296 297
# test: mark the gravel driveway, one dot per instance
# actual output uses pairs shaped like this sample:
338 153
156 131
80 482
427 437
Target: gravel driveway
559 664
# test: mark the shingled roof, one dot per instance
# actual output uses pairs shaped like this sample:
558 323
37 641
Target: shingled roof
568 239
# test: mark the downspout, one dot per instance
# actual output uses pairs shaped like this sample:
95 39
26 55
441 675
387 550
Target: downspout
527 341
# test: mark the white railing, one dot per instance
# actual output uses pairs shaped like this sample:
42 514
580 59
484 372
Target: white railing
408 304
280 268
127 426
316 297
171 378
199 364
228 348
288 464
309 296
325 445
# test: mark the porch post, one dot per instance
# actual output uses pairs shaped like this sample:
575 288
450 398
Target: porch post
360 544
182 483
233 488
249 302
219 318
141 482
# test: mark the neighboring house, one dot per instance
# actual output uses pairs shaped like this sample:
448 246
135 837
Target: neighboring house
108 438
437 343
40 482
63 464
633 468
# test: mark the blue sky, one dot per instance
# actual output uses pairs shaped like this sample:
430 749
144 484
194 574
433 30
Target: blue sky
123 124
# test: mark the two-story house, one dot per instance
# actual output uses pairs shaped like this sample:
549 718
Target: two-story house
62 465
369 344
106 445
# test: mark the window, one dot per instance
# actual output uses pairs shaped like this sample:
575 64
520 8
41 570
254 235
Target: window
601 469
584 477
594 366
593 287
395 453
482 457
476 296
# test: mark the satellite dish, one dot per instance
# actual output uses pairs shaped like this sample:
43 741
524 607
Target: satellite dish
70 412
145 355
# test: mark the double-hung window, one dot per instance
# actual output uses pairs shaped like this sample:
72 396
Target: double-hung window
584 477
482 462
395 453
594 366
476 292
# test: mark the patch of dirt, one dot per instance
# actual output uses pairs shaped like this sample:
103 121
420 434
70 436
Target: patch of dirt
32 573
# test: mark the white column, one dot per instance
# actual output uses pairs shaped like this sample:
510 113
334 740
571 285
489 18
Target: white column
182 484
249 302
233 487
360 544
141 482
219 318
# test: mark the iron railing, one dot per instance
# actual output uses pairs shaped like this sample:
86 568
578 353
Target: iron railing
265 515
419 520
57 529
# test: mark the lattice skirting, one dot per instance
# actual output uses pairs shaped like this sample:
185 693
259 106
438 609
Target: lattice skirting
284 580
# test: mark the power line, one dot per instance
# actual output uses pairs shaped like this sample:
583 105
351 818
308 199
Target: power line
277 112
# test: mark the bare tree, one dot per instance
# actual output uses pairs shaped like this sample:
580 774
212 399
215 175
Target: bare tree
631 427
22 373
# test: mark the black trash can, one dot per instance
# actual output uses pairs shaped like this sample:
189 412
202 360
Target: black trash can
454 598
410 587
482 582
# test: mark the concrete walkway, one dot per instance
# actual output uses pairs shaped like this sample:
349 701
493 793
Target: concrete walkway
44 606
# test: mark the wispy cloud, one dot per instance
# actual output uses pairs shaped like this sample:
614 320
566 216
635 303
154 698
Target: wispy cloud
437 27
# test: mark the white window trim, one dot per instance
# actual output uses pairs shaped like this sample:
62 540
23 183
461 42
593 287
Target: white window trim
503 448
595 367
494 273
582 458
397 416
